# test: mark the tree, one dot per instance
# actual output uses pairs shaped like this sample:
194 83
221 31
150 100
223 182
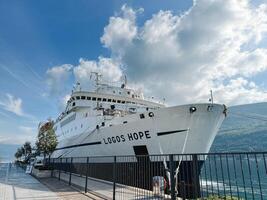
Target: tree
46 140
27 148
19 153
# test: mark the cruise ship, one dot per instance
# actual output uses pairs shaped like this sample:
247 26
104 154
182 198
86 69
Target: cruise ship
116 120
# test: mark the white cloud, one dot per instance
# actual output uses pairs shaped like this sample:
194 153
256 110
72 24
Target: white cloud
182 57
109 68
13 105
120 31
56 78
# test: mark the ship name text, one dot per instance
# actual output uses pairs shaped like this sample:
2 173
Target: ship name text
127 137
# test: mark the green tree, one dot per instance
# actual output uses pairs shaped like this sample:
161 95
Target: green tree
46 140
27 148
19 153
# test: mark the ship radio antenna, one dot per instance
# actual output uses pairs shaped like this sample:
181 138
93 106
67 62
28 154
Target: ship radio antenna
211 97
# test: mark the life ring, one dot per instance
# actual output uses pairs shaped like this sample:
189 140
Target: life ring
151 114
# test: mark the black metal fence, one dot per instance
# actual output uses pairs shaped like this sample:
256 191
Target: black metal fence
188 176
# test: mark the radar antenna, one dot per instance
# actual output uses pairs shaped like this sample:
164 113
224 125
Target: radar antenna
77 87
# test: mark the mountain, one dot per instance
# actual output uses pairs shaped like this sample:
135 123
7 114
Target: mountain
244 129
7 152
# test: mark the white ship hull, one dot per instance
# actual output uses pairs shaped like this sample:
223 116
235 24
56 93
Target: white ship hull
171 130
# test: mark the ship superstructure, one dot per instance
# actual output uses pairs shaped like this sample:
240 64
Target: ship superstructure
114 120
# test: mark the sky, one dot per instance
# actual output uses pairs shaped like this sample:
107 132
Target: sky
177 50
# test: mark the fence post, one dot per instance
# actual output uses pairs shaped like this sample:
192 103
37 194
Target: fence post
196 186
70 170
86 176
52 170
59 169
114 177
173 195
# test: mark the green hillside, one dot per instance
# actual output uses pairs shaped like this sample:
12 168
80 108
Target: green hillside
244 129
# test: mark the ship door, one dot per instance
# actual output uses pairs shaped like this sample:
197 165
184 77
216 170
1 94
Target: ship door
143 176
140 150
141 153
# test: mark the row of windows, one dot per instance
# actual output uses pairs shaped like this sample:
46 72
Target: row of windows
102 99
142 116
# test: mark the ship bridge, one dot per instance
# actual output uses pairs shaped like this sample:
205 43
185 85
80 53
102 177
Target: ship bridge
108 97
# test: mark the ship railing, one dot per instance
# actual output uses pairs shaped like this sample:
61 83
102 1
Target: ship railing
240 175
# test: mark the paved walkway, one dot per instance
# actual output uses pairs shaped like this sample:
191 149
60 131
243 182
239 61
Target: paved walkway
16 185
66 192
104 189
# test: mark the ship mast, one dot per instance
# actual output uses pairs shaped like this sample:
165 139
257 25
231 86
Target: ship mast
98 76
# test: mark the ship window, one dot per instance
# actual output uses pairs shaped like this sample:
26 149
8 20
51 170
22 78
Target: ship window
88 98
125 122
133 96
123 102
73 104
142 116
114 100
104 99
103 123
72 98
128 102
109 100
128 92
94 98
78 97
98 99
119 101
83 97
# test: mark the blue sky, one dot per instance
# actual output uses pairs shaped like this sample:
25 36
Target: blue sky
42 43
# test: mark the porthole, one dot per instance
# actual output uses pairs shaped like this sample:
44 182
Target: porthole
151 114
